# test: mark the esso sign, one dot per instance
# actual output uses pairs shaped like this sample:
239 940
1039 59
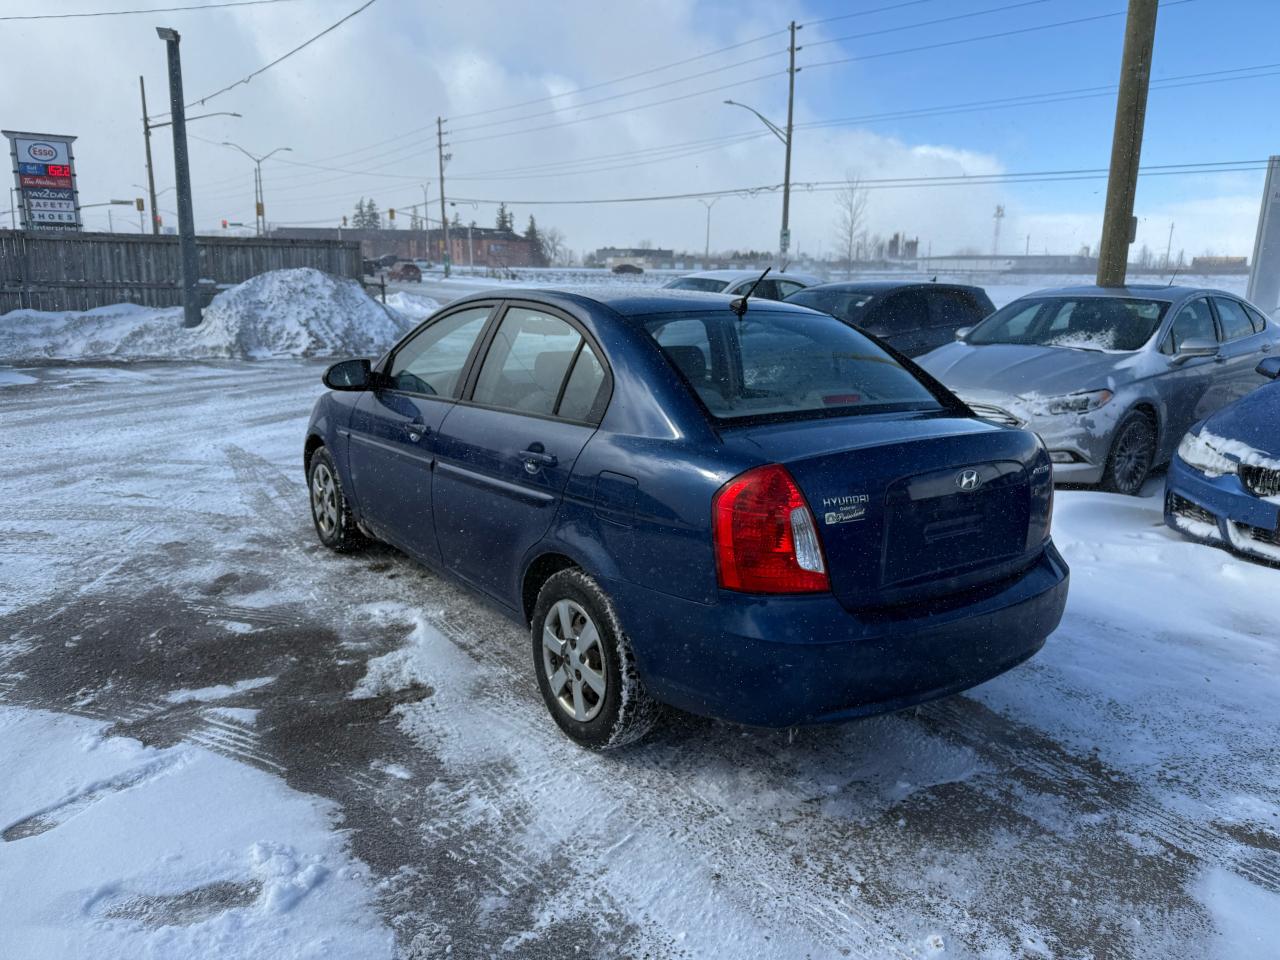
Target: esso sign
42 152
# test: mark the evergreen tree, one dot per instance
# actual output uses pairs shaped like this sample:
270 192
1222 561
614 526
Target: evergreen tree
537 253
373 219
456 221
358 218
503 221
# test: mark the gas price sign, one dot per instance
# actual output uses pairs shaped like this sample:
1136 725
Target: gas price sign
44 174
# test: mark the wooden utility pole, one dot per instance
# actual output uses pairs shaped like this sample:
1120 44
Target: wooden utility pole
444 216
1119 227
151 176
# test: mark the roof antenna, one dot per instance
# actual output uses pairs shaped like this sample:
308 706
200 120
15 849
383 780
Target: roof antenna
739 306
1175 274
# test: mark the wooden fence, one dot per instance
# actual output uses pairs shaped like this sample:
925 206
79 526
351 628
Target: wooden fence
67 271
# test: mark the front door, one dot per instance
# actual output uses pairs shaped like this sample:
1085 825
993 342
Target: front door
505 454
394 429
1198 381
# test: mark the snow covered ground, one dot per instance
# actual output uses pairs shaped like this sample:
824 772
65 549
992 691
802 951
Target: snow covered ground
218 739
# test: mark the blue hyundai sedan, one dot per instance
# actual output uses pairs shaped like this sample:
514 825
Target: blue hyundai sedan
757 514
1223 486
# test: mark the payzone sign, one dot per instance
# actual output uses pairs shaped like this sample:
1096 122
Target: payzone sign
45 177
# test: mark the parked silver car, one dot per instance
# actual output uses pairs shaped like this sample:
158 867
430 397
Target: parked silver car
776 286
1111 378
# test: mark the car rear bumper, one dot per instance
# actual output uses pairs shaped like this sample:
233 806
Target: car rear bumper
1220 510
788 661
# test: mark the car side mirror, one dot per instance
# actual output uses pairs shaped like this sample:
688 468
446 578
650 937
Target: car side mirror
1196 347
963 332
1269 368
349 375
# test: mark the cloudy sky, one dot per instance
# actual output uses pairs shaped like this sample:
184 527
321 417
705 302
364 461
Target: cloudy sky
583 100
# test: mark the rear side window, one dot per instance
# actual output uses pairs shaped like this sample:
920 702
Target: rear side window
431 362
785 366
1193 322
1259 321
952 308
788 287
1235 322
901 312
527 361
702 284
848 305
584 394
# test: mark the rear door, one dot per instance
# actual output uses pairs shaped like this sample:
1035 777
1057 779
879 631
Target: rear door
904 319
506 451
393 430
949 310
1243 347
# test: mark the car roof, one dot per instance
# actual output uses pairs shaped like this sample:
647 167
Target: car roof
732 275
884 286
630 301
1144 291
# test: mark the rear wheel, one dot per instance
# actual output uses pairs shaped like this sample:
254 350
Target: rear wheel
584 665
1132 453
330 512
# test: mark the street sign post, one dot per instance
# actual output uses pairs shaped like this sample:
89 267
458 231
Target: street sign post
45 180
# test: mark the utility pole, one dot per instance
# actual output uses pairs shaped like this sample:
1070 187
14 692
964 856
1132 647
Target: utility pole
444 215
784 239
182 177
1119 227
1168 250
706 250
995 238
1028 253
151 176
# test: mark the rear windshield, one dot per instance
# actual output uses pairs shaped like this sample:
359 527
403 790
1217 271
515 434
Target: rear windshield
785 366
1081 323
703 284
848 305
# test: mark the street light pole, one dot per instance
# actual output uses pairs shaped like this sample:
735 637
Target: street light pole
259 203
151 176
182 177
444 215
706 250
784 239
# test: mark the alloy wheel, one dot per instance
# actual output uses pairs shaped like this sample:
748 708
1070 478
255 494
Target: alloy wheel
324 500
573 661
1133 455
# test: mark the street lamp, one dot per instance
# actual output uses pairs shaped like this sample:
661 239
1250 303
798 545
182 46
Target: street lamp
471 253
706 252
260 220
111 227
784 238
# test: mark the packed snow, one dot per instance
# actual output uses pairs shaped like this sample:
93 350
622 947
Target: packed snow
284 313
1215 456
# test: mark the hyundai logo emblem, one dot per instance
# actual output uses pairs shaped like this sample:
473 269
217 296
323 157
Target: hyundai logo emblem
968 480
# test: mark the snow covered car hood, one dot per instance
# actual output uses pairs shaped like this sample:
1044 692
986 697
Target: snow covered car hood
1016 369
1253 420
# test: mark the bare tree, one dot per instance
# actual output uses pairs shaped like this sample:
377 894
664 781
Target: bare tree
554 247
851 217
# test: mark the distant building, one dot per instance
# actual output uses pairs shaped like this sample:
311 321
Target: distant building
647 258
986 263
1219 265
481 246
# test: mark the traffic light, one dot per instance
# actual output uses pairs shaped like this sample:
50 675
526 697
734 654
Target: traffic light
261 210
344 221
391 213
140 204
224 224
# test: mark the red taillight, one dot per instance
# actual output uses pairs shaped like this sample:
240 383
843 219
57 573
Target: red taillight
765 537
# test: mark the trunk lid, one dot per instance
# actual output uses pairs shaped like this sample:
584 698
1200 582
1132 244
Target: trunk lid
913 508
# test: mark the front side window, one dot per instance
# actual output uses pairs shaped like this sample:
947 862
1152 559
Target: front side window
1079 323
527 361
785 366
1193 322
431 362
701 284
1235 322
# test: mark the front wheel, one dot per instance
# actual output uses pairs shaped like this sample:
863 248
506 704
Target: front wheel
584 665
1132 454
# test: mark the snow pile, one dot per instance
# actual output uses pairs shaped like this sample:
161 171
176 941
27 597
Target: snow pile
284 313
411 306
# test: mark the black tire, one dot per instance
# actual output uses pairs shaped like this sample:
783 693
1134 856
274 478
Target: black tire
330 512
1132 455
625 712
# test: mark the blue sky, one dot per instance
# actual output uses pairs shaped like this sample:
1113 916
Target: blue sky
363 100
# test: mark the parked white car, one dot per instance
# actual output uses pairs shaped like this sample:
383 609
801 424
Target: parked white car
776 286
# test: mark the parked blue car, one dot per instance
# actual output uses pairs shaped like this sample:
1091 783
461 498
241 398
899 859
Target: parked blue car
765 517
1224 484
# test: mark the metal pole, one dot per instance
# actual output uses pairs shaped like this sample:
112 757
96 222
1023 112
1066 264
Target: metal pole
444 216
111 222
182 178
151 176
471 252
1168 250
259 209
1119 227
785 237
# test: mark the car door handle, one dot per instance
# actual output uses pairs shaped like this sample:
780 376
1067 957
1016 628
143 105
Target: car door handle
535 460
416 430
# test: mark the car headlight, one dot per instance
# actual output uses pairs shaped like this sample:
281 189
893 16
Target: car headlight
1199 454
1071 403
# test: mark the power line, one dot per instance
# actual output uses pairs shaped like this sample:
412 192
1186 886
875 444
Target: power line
630 76
127 13
865 13
929 23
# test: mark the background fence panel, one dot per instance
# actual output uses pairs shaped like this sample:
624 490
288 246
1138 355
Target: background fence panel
81 271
